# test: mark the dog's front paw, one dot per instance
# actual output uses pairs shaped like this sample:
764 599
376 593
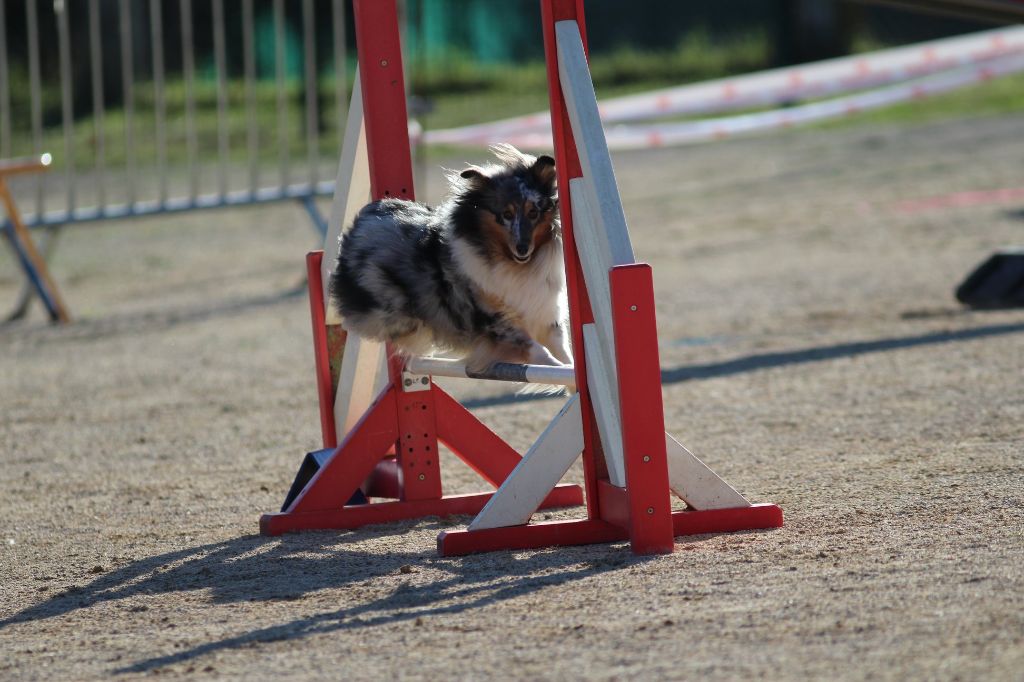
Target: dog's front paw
539 355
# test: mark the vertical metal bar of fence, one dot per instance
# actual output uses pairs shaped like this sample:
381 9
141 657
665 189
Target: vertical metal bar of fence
67 119
188 64
156 33
5 87
127 84
340 73
98 106
222 97
35 94
312 113
282 105
250 95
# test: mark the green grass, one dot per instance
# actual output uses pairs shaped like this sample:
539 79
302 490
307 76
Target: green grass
999 96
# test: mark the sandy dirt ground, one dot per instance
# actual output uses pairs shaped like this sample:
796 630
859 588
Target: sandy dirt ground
813 355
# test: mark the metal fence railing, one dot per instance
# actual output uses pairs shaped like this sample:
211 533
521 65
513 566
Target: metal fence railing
151 106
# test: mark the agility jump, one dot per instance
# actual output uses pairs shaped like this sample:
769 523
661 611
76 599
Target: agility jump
382 417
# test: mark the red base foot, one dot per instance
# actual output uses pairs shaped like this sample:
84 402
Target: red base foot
585 532
754 517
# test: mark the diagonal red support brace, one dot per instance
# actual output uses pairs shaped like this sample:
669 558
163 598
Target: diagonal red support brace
353 460
469 439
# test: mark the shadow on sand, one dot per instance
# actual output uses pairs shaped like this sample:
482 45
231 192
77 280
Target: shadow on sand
262 569
87 328
756 361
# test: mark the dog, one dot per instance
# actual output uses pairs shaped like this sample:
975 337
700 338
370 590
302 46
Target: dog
481 275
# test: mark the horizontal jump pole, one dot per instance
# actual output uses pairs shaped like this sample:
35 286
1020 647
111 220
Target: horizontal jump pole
564 375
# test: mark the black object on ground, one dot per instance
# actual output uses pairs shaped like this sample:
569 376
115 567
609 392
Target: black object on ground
996 283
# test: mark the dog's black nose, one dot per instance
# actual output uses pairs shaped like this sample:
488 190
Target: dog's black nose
523 249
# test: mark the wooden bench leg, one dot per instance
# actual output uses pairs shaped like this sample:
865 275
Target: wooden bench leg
32 262
46 247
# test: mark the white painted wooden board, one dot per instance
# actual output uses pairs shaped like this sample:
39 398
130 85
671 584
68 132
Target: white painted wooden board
596 260
695 483
359 381
602 240
538 473
601 236
581 102
604 396
363 372
351 190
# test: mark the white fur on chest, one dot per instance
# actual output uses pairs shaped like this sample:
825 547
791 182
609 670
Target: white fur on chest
534 291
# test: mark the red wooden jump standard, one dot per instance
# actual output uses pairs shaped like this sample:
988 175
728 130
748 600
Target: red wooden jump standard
641 511
413 422
392 452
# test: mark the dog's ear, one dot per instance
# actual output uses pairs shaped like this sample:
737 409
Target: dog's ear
475 175
544 170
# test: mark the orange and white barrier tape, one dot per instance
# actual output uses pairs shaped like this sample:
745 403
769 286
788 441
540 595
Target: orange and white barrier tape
645 136
987 50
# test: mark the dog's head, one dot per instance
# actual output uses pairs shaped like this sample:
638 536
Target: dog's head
514 204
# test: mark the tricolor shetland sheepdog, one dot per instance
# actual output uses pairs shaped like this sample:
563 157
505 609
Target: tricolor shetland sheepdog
481 275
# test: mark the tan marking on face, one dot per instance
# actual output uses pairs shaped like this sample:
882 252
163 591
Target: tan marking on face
544 229
499 239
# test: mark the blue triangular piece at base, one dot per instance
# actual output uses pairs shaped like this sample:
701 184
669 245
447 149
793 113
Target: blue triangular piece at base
312 463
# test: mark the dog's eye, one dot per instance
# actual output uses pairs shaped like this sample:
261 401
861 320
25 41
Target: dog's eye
532 215
508 215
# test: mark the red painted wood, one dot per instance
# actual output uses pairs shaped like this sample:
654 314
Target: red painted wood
754 517
388 150
470 439
532 536
387 142
366 514
383 86
553 11
614 504
320 351
354 460
416 446
568 165
388 512
565 495
641 410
